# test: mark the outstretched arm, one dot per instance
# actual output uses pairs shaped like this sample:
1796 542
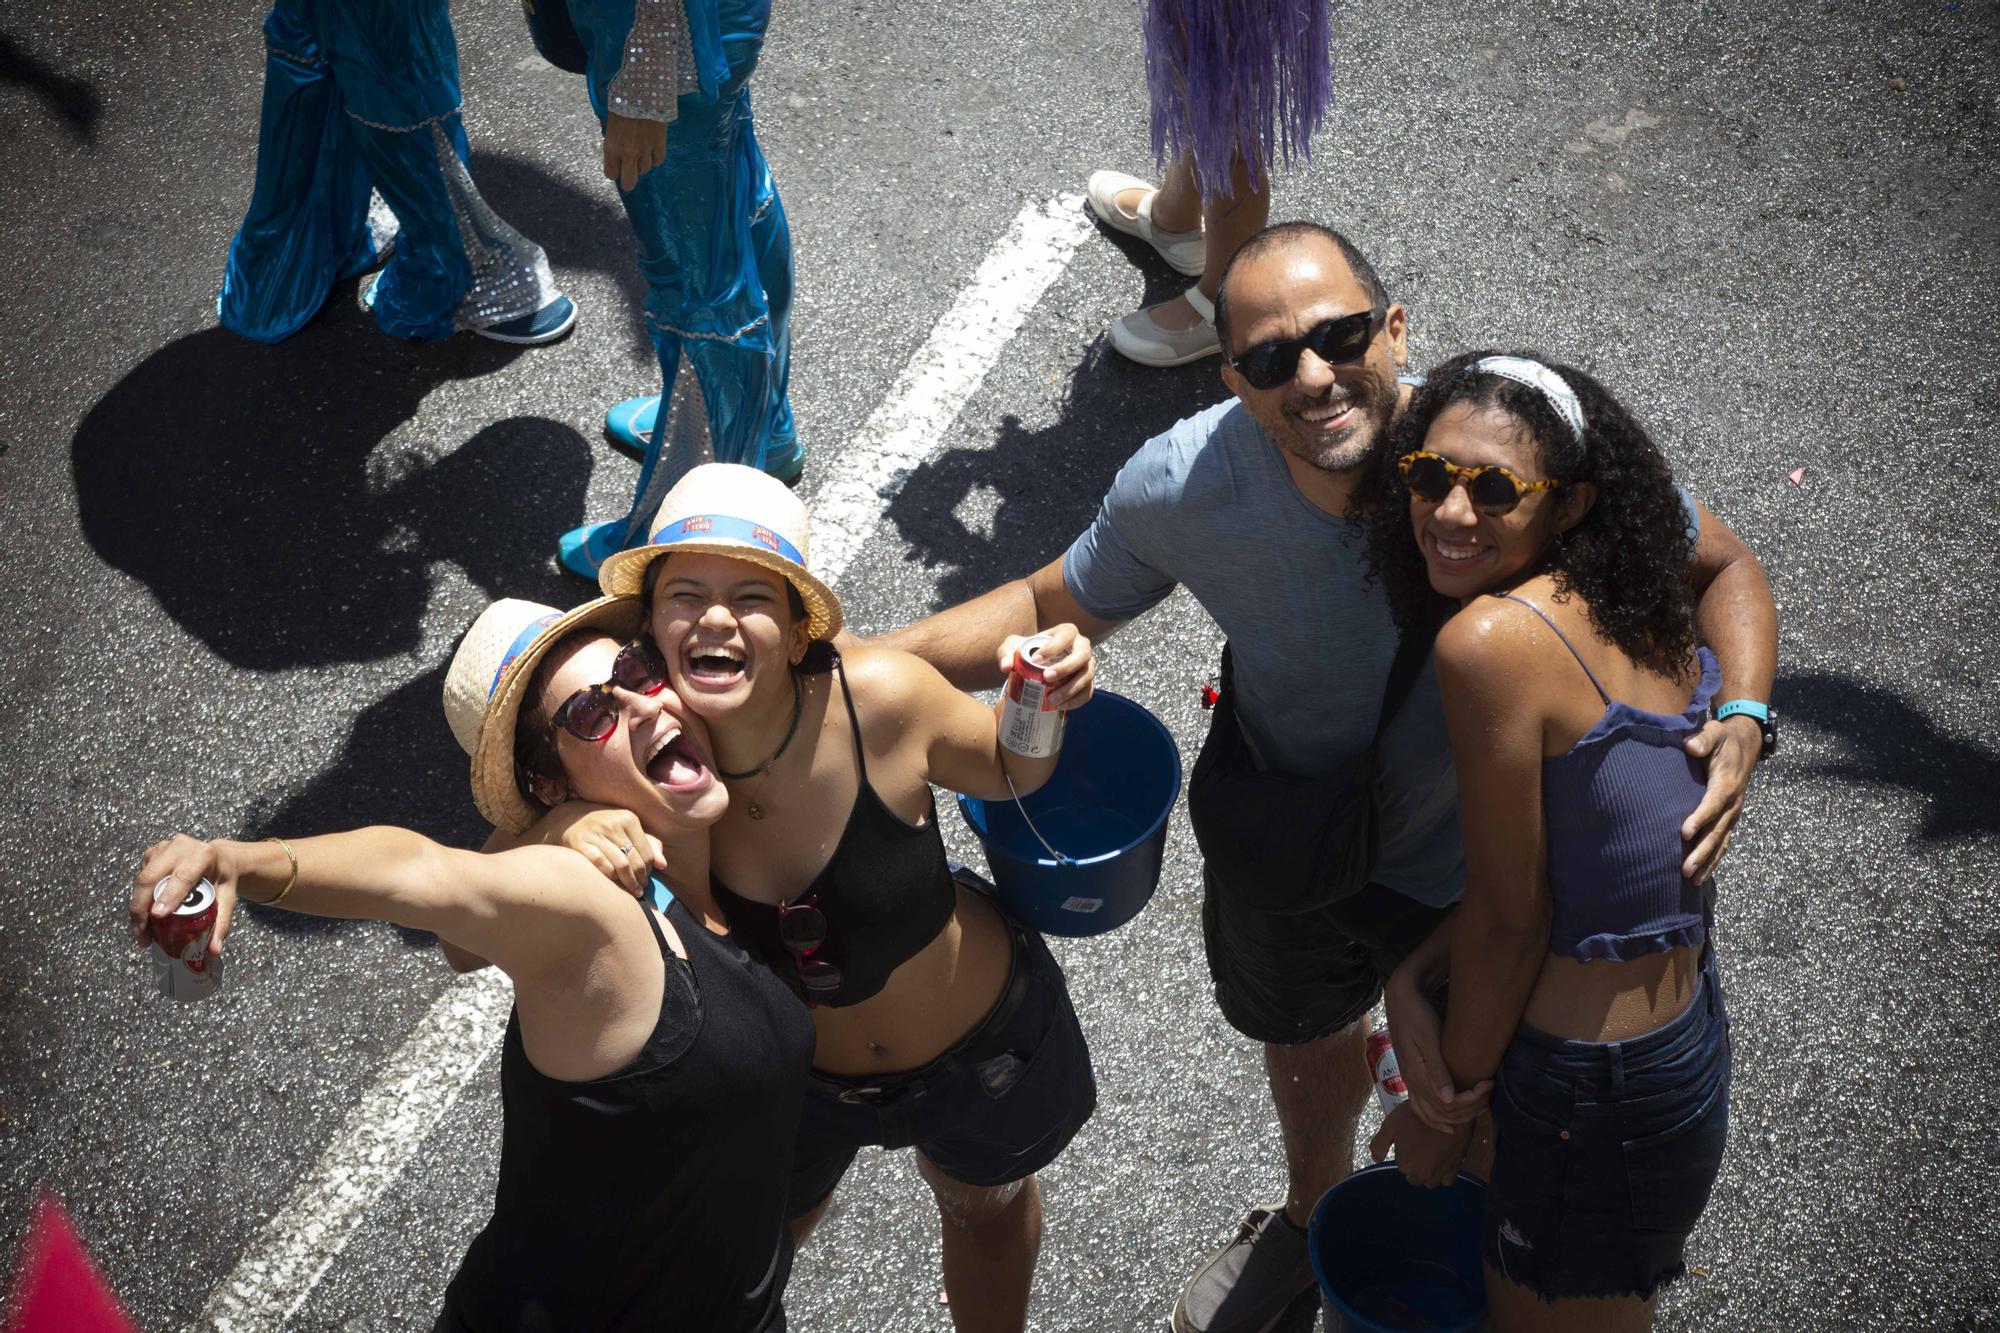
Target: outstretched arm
528 910
1736 617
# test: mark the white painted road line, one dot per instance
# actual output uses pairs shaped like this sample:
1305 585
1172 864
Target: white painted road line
380 1135
941 378
424 1078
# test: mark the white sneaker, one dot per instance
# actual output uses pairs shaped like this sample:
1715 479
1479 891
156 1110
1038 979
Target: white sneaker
1140 339
1185 251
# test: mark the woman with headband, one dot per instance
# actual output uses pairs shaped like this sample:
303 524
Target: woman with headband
941 1024
652 1073
1580 961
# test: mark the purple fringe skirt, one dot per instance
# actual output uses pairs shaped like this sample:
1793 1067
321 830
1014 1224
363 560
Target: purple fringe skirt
1237 76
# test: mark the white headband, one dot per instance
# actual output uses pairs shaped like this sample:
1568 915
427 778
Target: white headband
1540 378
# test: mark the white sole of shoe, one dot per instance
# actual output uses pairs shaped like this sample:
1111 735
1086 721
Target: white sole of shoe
1107 212
1163 360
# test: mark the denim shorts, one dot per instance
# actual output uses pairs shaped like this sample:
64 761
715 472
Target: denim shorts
1605 1152
998 1106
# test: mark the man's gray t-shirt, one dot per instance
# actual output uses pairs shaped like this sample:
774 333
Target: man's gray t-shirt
1211 505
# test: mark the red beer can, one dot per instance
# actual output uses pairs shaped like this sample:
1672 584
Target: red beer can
1029 725
1390 1090
182 968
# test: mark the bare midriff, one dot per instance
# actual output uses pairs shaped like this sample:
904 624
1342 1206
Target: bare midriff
1605 1000
928 1004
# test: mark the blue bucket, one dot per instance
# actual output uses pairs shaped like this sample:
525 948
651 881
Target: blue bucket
1392 1257
1104 810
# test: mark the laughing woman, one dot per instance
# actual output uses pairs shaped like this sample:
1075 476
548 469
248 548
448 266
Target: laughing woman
941 1024
1581 962
651 1074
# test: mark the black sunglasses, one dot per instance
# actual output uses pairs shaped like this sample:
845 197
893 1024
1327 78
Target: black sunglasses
1336 342
802 928
591 714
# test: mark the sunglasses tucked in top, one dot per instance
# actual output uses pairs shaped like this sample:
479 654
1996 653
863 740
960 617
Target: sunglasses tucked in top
1335 341
802 927
1493 490
591 714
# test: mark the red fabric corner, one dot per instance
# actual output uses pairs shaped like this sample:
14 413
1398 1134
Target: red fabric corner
57 1289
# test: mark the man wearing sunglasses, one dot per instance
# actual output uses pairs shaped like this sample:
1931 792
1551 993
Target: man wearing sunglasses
1244 504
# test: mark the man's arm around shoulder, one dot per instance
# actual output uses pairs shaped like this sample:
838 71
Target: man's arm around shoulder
1735 616
963 642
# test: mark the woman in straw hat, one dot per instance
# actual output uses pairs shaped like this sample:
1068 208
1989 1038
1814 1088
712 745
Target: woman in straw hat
652 1074
941 1023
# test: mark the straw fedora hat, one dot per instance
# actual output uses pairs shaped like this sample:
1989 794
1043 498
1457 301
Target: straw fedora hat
489 674
743 512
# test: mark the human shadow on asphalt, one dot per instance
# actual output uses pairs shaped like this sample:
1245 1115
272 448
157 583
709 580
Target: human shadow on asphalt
1891 742
75 102
399 765
242 485
1047 482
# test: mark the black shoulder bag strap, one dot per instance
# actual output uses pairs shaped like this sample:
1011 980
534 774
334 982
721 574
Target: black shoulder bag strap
1411 650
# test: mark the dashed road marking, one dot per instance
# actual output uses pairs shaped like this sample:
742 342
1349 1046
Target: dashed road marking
422 1080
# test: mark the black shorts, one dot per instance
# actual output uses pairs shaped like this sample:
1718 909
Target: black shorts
1291 977
998 1106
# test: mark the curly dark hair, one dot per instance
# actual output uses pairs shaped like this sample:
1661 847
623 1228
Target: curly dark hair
1627 559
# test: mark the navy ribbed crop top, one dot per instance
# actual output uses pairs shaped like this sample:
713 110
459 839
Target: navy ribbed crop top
1613 805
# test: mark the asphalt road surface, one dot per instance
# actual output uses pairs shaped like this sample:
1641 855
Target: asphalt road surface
232 576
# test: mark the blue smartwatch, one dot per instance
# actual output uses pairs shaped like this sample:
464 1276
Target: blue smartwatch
1767 721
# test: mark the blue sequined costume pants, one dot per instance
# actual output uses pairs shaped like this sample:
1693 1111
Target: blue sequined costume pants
714 248
362 94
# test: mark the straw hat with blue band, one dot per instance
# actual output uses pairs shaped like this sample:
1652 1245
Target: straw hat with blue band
484 687
737 511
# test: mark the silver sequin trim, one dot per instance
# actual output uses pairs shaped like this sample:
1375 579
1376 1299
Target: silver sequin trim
737 336
510 273
427 122
654 72
689 444
296 57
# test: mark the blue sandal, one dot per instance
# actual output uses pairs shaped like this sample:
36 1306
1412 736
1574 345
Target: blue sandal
629 427
582 550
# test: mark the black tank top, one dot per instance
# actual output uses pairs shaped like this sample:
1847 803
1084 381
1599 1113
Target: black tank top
652 1198
886 893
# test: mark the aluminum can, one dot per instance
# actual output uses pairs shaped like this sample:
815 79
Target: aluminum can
1028 725
181 966
1390 1090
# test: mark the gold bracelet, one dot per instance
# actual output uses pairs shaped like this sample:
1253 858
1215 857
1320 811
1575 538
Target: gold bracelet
291 856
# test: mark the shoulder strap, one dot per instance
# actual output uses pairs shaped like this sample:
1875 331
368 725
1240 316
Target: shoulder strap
1566 643
1411 649
661 896
853 718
